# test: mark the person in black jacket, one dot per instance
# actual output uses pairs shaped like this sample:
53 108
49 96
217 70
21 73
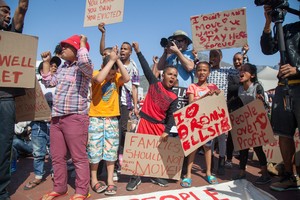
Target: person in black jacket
285 122
7 97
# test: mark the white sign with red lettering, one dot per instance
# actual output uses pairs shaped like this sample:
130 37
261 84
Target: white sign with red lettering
233 190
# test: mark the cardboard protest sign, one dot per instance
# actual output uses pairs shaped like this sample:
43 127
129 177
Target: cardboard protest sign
251 126
273 153
183 99
17 60
202 121
109 12
219 30
145 155
32 106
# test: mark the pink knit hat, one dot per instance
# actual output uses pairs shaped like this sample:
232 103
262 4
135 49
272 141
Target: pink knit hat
74 41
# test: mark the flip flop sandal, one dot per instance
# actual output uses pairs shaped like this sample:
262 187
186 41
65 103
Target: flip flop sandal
32 184
111 190
53 195
186 182
212 180
99 187
80 197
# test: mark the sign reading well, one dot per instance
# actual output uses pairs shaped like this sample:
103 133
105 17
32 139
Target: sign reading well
32 106
145 155
202 121
251 126
17 60
107 11
219 30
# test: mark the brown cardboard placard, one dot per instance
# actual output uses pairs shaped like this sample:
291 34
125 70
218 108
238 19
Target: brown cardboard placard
227 29
202 121
97 11
145 155
251 126
17 60
33 105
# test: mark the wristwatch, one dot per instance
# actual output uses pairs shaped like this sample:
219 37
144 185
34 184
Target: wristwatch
298 69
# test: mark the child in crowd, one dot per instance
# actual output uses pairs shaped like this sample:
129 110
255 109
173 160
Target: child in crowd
233 102
195 92
103 137
69 124
157 111
247 92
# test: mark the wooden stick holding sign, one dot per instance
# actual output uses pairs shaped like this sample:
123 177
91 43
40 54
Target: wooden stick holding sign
202 121
219 30
97 11
251 126
145 155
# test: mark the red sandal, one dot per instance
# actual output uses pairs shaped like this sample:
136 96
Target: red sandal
53 195
80 197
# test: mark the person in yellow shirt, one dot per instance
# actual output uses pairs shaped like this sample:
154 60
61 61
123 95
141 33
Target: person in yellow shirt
103 135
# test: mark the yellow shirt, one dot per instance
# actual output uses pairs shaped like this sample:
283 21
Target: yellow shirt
105 97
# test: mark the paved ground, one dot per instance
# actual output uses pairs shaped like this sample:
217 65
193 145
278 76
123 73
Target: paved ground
25 174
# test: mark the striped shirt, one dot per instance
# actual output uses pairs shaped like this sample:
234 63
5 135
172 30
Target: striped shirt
72 84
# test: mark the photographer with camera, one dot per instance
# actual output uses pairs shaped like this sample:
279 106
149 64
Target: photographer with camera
286 103
176 53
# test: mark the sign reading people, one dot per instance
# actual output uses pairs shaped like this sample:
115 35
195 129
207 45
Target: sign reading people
202 121
107 11
145 155
251 126
17 60
33 105
219 30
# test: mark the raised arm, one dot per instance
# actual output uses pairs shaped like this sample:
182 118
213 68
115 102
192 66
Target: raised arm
20 13
102 40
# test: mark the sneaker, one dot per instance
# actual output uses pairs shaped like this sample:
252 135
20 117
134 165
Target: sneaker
263 180
134 182
160 182
228 164
115 176
287 183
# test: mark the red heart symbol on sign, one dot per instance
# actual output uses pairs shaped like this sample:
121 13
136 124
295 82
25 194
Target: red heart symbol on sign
224 20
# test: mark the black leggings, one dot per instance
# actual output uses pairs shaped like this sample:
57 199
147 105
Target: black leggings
229 146
260 155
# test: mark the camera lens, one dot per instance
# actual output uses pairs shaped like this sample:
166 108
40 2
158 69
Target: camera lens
164 42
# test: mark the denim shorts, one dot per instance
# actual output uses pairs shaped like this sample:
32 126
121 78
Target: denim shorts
284 123
103 139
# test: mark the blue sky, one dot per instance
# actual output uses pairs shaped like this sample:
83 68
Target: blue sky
144 21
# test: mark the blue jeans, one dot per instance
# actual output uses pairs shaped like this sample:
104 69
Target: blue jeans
22 146
40 139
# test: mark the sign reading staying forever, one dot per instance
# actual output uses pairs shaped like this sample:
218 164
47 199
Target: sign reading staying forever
251 126
145 155
202 121
219 30
17 60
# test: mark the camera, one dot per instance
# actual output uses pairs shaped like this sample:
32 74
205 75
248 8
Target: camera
164 42
273 3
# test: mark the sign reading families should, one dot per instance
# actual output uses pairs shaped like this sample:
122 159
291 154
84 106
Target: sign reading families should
251 126
219 30
202 121
145 155
183 99
17 60
33 105
109 12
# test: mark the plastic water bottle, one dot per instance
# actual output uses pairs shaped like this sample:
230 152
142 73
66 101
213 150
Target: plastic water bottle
13 163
